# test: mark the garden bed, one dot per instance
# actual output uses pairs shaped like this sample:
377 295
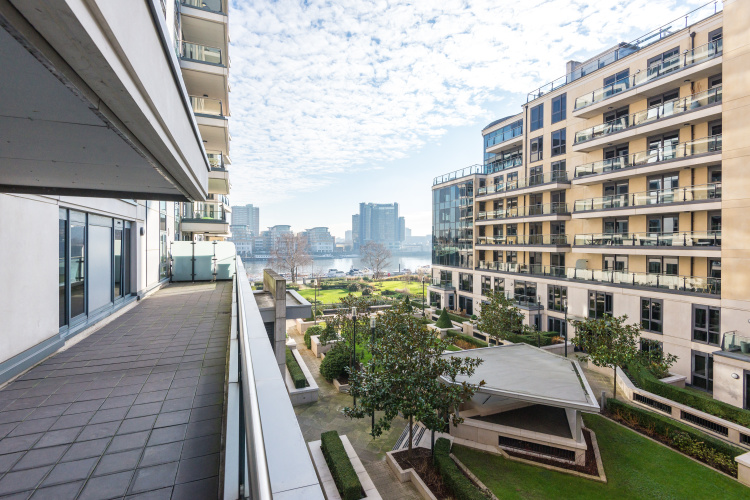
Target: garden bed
421 462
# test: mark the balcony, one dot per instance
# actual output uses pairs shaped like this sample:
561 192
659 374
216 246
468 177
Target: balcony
707 195
692 243
500 165
547 211
442 284
542 182
736 343
205 218
458 174
675 283
206 106
207 5
507 139
217 160
702 106
555 242
202 53
668 157
667 70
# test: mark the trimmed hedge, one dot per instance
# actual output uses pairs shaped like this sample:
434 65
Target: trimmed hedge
451 334
313 330
340 466
298 376
335 362
444 320
453 477
646 381
708 449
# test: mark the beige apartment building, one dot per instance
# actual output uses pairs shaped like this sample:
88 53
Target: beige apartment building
605 195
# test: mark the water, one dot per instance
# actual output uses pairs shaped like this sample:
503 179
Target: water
255 267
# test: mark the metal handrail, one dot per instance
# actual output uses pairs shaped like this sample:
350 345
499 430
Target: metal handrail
700 239
457 174
199 102
525 211
531 181
524 239
701 192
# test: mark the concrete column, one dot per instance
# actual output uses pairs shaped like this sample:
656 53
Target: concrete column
276 285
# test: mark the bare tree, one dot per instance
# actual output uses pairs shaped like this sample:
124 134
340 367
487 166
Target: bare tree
376 256
289 253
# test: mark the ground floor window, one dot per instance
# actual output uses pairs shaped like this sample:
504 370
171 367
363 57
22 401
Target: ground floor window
706 324
435 300
466 304
557 325
486 285
702 373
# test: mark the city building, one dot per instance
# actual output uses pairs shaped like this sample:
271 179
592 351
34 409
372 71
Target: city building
401 229
247 215
242 237
605 195
379 223
319 240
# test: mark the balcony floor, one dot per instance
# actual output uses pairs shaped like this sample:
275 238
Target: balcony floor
135 408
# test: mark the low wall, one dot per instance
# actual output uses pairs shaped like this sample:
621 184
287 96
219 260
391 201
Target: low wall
318 348
406 475
326 479
307 394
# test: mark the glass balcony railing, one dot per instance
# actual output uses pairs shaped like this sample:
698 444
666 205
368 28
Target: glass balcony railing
506 136
534 180
499 165
211 5
202 53
691 284
437 282
667 152
734 342
669 65
531 210
524 239
216 160
701 239
204 211
669 108
654 197
207 106
457 174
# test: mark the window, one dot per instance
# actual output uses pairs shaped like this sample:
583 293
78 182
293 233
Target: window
537 118
663 265
615 225
511 257
63 265
525 292
536 147
499 285
557 297
665 62
703 371
616 115
466 304
557 325
536 176
163 257
714 35
559 173
465 282
706 324
618 263
600 304
558 142
651 346
486 284
651 315
558 108
617 83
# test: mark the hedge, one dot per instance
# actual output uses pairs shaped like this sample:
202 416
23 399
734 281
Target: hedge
298 377
646 381
453 477
444 320
313 330
340 466
466 338
335 362
690 441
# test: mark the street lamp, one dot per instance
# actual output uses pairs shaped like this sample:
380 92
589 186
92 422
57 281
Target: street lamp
315 312
538 320
423 296
372 331
354 348
565 307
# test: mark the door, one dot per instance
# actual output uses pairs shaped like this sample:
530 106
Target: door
77 265
662 189
703 371
63 266
118 261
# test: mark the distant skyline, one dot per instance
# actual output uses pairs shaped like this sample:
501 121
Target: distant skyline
335 104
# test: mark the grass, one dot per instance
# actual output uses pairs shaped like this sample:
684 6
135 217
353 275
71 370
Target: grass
635 466
335 296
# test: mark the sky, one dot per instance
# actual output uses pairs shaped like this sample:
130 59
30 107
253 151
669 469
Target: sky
339 102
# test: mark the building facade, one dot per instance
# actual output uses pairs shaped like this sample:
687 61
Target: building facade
319 241
605 195
379 223
247 215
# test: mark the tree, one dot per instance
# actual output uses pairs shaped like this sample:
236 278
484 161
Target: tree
289 253
500 317
375 256
403 377
608 342
444 321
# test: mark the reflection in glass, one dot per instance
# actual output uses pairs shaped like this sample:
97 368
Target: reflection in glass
118 263
63 244
77 266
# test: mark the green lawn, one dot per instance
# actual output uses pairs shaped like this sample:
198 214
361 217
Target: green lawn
635 467
334 296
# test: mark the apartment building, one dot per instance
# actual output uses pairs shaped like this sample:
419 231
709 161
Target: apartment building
319 240
605 195
115 144
248 216
380 223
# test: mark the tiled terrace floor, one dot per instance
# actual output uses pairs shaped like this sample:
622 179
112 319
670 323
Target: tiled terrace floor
133 411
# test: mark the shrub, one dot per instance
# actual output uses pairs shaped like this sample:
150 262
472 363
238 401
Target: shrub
313 330
328 334
335 362
473 317
648 382
453 477
354 287
340 466
444 321
712 451
298 376
455 335
366 292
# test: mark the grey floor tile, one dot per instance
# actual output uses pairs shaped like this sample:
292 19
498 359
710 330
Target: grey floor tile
137 424
66 472
20 443
204 445
143 410
118 462
203 467
172 418
154 478
161 454
17 415
14 482
150 397
125 390
41 457
86 449
33 426
84 406
204 489
68 421
67 491
206 413
7 461
103 487
97 431
62 436
128 441
110 415
161 494
171 405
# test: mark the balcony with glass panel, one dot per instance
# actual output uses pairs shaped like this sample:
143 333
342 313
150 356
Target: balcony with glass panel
697 63
442 284
736 343
660 282
458 174
511 137
542 212
214 6
205 217
207 106
667 157
197 52
218 176
555 242
693 243
700 107
549 181
700 197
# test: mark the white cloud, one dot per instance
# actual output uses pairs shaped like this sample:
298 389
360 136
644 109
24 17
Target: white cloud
322 89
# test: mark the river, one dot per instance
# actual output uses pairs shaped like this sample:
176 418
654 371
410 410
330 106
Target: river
255 267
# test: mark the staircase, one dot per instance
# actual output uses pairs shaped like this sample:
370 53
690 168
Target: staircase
420 431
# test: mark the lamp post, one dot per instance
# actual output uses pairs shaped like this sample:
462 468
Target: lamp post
565 306
423 296
354 347
538 320
315 311
372 331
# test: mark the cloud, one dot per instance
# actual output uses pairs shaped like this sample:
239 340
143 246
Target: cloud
322 89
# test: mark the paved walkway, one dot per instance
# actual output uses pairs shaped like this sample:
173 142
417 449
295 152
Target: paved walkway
133 411
326 414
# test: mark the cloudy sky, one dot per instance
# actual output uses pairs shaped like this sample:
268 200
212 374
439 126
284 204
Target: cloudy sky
338 102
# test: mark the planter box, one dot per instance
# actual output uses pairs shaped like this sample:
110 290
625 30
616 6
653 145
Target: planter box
305 395
409 475
467 328
339 386
326 479
291 343
318 348
675 380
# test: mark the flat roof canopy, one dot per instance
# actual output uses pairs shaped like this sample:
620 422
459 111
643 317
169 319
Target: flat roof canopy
527 373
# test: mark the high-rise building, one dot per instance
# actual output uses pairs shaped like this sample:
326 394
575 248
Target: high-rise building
319 240
605 195
378 222
355 231
247 215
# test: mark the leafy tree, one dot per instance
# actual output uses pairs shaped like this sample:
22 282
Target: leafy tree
403 377
500 317
655 359
375 256
289 252
444 321
608 342
335 363
407 304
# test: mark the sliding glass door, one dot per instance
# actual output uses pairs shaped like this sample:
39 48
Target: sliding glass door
77 265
